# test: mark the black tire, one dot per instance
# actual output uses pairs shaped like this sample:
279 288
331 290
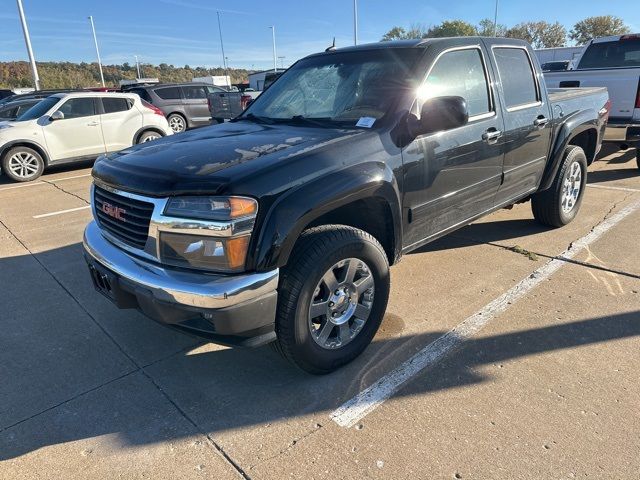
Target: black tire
317 251
148 136
177 123
547 205
34 164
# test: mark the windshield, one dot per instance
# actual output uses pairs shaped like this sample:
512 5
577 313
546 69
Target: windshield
623 53
339 87
39 109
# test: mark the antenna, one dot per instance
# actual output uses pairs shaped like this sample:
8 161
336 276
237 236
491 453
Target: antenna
333 45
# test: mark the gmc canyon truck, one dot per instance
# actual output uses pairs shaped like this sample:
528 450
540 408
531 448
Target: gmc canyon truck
612 62
279 227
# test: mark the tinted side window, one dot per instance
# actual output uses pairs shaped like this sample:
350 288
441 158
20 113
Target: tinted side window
516 75
8 112
460 73
78 107
142 93
112 105
194 92
168 93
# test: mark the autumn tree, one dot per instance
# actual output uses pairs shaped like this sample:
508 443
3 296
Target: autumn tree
453 28
486 28
400 33
595 27
540 34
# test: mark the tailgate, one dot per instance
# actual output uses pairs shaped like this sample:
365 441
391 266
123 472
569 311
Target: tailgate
225 104
622 84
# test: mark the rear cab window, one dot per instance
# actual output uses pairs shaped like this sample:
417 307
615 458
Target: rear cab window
519 85
168 93
616 54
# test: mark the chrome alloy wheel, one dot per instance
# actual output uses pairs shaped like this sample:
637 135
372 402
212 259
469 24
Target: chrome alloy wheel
571 187
176 122
341 303
23 164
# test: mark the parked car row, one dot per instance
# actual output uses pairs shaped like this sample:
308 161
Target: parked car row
69 127
612 62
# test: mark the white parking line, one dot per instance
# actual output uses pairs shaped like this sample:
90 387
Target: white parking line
352 411
35 184
61 212
605 187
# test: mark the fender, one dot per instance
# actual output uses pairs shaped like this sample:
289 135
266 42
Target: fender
293 211
28 143
573 125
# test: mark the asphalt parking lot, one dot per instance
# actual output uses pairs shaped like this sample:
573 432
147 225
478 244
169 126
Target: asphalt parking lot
538 378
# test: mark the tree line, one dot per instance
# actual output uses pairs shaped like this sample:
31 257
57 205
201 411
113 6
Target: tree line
54 75
540 34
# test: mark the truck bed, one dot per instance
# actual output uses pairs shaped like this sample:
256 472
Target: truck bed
557 95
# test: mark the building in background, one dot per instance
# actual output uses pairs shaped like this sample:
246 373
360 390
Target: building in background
257 79
559 54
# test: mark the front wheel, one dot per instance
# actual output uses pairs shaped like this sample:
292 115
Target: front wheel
148 136
559 204
177 122
22 164
332 297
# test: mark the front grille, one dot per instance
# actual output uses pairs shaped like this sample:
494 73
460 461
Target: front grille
123 217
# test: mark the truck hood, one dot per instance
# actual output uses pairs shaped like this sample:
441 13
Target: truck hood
206 160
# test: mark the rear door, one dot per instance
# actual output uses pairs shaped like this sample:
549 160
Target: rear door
120 122
454 175
527 120
195 101
78 134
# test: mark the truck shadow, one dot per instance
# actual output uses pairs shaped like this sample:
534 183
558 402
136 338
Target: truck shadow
225 390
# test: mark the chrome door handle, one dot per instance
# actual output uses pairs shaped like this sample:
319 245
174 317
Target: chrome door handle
541 121
491 136
92 124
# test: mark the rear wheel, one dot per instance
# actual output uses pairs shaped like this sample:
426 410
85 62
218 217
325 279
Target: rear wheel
559 204
22 164
148 136
332 298
177 122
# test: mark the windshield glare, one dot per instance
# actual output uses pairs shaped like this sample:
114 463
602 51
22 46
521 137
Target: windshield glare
340 87
38 110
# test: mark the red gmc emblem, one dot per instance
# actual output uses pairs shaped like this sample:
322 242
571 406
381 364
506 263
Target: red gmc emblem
114 212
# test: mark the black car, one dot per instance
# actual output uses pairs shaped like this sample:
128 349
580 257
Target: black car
280 225
12 110
185 105
4 93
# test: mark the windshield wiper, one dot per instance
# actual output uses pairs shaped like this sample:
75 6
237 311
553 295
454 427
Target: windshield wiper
318 121
254 118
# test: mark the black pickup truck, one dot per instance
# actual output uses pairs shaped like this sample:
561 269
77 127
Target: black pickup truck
280 226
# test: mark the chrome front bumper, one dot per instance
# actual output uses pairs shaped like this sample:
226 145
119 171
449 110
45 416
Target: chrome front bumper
230 304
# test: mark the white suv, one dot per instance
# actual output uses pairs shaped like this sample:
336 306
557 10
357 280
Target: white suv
70 127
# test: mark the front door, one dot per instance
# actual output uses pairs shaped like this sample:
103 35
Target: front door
527 119
76 135
454 175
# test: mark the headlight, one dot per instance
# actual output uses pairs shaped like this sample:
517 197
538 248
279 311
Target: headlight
194 245
204 252
211 208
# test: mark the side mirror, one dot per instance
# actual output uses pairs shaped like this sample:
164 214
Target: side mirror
439 114
57 115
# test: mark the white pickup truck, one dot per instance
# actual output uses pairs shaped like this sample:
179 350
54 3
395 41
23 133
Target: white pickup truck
612 62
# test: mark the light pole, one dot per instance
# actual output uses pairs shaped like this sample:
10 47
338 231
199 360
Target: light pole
355 22
282 57
495 21
224 58
27 41
275 55
95 40
138 66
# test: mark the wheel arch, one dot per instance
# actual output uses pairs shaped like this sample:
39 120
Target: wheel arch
25 143
581 130
359 202
143 130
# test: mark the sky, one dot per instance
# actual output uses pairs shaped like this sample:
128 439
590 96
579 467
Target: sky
185 32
